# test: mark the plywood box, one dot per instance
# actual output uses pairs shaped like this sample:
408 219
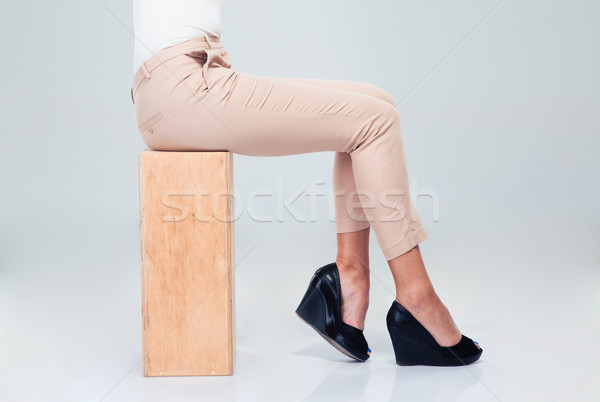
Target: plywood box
187 262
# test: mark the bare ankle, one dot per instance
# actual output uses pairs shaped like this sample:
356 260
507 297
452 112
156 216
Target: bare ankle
352 267
418 300
354 276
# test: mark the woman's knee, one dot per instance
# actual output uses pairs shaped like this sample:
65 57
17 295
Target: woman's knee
379 92
383 124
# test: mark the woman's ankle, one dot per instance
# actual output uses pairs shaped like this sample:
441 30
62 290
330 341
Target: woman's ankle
353 269
418 300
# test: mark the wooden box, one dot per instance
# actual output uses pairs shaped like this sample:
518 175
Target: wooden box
187 255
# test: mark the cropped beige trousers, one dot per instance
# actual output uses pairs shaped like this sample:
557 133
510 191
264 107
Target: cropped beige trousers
188 98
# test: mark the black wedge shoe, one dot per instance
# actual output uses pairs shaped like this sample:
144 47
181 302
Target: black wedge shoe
321 309
414 345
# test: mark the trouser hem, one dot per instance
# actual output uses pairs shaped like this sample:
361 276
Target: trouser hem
415 237
353 226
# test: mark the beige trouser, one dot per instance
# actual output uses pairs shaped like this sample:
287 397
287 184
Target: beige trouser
188 98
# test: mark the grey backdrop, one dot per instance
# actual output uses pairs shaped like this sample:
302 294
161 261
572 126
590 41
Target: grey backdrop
499 104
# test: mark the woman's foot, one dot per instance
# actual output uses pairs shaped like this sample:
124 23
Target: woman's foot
414 345
429 310
354 285
415 292
320 308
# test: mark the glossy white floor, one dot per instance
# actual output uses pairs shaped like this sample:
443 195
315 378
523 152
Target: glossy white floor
71 324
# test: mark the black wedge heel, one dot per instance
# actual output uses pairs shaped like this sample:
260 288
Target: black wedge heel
320 308
414 345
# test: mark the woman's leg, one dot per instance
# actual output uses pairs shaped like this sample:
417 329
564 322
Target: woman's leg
414 289
352 227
